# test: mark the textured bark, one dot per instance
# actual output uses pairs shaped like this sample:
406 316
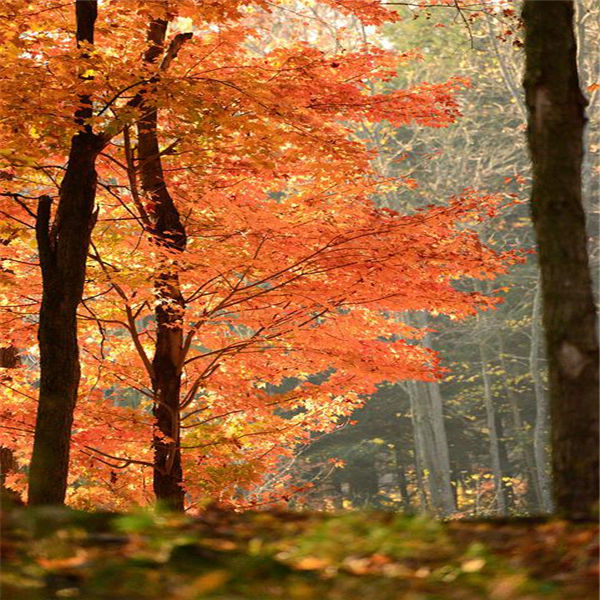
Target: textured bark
556 120
63 248
169 233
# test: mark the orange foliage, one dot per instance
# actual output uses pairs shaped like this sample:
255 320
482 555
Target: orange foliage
290 270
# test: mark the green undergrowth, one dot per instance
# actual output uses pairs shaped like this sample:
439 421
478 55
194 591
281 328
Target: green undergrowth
59 553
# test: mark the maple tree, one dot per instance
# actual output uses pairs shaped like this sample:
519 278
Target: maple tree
236 245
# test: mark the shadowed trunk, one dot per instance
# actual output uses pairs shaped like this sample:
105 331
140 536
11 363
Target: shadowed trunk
63 248
169 233
556 121
9 359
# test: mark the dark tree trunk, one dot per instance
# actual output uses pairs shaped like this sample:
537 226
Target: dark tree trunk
556 122
506 469
63 247
169 233
9 359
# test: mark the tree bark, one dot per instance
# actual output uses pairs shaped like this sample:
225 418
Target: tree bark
169 233
556 122
63 248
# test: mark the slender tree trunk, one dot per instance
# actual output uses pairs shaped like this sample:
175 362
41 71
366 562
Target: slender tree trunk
493 436
430 437
556 122
506 468
63 248
169 233
440 449
418 448
431 447
540 430
522 437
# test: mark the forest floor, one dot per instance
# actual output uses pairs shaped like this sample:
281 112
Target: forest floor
59 553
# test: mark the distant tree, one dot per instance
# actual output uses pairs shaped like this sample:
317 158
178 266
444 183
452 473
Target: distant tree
556 120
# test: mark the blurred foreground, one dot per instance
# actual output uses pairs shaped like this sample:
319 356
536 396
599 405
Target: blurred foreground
60 553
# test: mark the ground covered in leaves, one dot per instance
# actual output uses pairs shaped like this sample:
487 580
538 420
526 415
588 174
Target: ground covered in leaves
58 553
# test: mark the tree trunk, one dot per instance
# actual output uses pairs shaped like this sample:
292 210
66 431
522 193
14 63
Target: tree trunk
418 449
493 436
506 468
441 454
9 359
556 121
522 437
430 437
169 233
431 446
540 429
63 248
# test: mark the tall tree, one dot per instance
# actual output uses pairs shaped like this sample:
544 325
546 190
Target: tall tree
168 232
63 247
556 120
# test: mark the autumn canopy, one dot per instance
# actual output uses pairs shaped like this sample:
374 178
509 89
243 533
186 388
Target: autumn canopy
242 287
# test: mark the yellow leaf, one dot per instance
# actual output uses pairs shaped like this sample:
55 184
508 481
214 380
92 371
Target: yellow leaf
311 563
473 565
